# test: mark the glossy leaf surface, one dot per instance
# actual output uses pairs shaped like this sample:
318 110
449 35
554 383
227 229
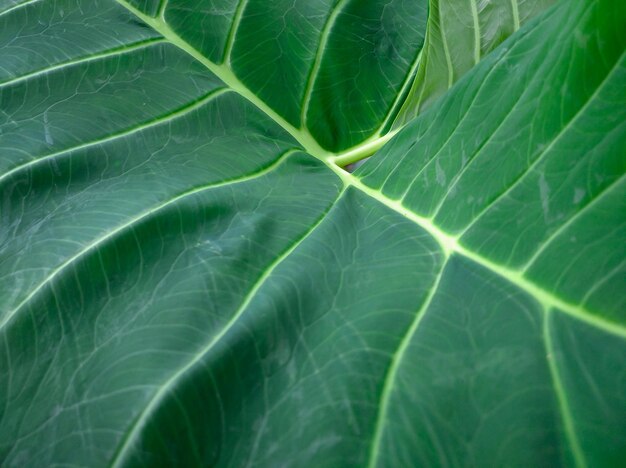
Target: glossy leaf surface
460 33
187 278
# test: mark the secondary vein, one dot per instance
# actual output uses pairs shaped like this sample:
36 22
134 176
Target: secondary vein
186 109
566 414
392 372
476 31
82 60
133 222
225 73
330 22
126 446
449 243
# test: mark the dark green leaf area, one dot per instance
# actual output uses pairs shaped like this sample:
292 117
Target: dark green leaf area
530 177
141 304
64 204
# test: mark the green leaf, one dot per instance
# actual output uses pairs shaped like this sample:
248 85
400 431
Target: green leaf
188 278
312 62
459 34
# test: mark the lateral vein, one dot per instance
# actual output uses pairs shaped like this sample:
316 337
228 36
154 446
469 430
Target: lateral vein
477 53
224 72
330 22
396 361
398 102
124 133
166 387
451 245
234 27
446 51
18 6
553 142
82 60
561 229
133 221
559 390
515 10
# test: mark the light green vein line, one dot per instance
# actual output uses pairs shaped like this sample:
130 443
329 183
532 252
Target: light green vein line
421 81
515 10
619 268
547 298
566 414
227 76
476 31
451 245
448 243
225 73
330 22
398 101
556 139
563 227
129 224
230 42
451 134
475 156
116 136
435 29
392 373
138 425
92 58
162 8
362 150
18 6
446 50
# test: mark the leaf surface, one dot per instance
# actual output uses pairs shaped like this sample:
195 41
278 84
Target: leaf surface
186 277
459 34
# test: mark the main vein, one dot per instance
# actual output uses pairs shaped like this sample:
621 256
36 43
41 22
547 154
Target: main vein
448 243
129 440
451 246
226 74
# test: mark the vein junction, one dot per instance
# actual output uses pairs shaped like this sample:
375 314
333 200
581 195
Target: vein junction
225 73
449 244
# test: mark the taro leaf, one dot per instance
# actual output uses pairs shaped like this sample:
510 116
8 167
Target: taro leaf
459 34
188 279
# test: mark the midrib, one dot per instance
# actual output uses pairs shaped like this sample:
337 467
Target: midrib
449 244
225 73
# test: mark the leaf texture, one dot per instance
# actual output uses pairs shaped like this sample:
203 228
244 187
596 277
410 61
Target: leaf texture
186 277
460 33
